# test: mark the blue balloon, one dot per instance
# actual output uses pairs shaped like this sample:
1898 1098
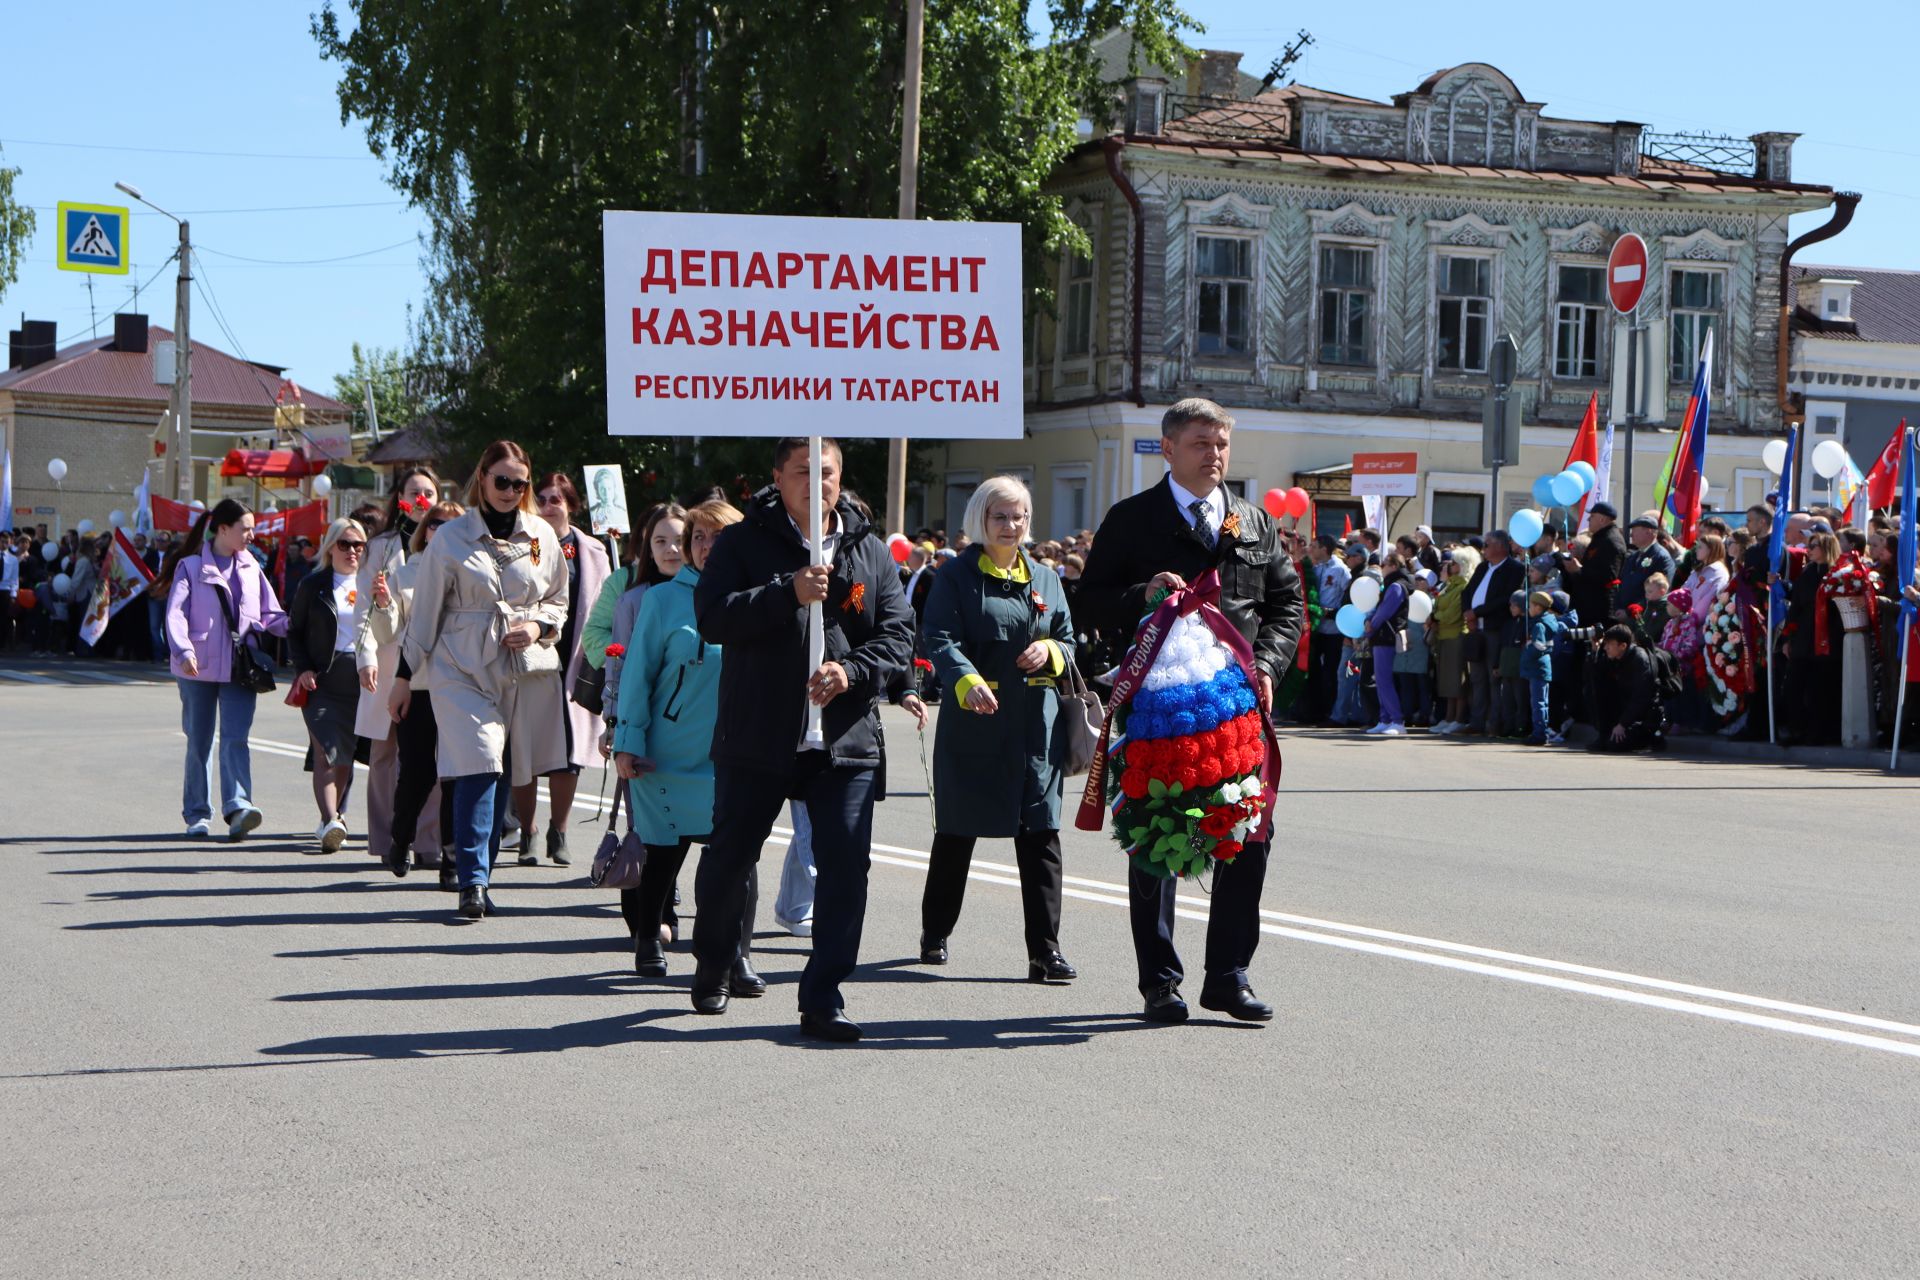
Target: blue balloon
1543 491
1567 488
1352 621
1587 473
1525 528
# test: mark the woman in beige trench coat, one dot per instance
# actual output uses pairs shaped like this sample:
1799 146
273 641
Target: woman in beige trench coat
488 607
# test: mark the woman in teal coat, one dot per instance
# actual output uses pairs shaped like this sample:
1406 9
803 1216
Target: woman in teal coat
997 631
663 746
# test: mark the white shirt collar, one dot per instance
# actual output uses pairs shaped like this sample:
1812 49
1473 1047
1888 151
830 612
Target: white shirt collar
1184 499
832 534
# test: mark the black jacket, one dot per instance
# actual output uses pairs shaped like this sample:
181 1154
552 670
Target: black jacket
1625 692
312 624
1509 577
1592 588
1146 535
746 605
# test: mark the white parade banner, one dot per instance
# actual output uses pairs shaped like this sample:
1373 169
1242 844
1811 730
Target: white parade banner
731 325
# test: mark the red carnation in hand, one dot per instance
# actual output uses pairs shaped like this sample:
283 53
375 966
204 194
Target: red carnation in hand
1134 783
616 651
406 506
1226 850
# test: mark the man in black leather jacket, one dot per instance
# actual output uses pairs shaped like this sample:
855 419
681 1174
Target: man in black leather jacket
1163 539
752 601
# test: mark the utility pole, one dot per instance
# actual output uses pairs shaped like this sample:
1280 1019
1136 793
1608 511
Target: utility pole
909 200
179 480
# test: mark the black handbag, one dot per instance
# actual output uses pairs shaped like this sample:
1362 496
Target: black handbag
252 670
590 688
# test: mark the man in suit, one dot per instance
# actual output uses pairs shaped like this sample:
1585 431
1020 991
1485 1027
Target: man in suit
1500 575
752 600
1160 540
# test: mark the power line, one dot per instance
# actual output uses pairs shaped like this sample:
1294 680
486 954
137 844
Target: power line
304 262
280 208
184 151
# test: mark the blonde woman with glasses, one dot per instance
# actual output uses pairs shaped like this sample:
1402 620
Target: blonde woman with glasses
322 643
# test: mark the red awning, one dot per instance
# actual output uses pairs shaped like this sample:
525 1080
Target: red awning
283 464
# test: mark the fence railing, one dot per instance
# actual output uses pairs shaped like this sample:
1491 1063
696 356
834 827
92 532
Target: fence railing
1717 152
1228 117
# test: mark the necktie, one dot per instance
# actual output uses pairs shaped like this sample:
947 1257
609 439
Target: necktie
1202 520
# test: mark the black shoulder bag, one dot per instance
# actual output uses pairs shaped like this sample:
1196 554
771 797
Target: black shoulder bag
252 670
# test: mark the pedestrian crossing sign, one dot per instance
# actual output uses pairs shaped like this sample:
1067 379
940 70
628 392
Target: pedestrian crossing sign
92 237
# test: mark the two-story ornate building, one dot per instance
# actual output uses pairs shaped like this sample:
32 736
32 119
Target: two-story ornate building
1336 269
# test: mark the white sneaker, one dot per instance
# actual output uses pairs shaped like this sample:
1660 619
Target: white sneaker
199 830
1556 739
1393 731
242 821
798 928
1443 728
332 834
1378 729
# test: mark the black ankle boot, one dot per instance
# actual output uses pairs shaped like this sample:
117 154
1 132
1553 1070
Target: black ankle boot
649 957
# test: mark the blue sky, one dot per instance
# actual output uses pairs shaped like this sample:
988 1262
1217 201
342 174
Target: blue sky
306 250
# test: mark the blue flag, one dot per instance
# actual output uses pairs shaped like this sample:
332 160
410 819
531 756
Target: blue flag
1782 508
1909 533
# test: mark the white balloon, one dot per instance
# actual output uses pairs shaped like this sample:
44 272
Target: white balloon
1774 455
57 468
1830 458
50 551
1420 608
84 528
61 582
1366 593
196 505
322 486
116 517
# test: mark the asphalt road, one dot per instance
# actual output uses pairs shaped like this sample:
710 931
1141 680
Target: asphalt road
1541 1015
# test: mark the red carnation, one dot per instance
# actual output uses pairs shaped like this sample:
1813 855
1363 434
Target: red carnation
1217 822
406 506
1134 783
1187 777
922 664
616 651
1226 850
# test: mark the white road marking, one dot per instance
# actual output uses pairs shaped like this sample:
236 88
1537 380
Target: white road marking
1437 952
28 677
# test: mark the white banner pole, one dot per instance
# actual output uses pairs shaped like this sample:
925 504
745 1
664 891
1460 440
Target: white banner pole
816 618
1773 670
1900 703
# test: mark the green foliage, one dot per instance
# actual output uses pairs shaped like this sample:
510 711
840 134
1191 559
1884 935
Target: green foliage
515 123
385 370
16 229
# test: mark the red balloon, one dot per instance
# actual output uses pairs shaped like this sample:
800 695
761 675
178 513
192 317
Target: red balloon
900 548
1297 502
1275 502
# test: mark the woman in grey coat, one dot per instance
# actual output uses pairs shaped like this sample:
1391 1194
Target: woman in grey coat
997 631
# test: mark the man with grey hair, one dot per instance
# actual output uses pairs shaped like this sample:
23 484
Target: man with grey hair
1163 539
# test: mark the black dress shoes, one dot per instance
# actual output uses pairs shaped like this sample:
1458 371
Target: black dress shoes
711 1000
1165 1005
835 1026
399 861
933 950
743 982
1237 1003
649 957
1051 967
449 875
473 902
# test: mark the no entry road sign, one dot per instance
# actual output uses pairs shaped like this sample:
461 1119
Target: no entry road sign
1627 273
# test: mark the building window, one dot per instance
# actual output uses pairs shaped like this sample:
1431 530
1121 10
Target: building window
1826 424
1458 516
1346 305
1223 276
1580 301
1076 313
1464 289
1695 300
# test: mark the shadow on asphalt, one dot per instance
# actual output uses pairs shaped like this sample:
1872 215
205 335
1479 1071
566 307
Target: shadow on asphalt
683 1026
439 912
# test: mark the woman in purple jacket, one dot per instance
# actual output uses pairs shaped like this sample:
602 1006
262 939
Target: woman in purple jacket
207 576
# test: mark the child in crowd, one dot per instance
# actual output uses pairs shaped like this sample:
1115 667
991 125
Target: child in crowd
1544 574
1413 665
1510 687
1682 639
1536 665
1649 621
1566 701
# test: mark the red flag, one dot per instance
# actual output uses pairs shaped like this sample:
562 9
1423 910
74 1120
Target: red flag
1348 531
1885 476
1586 448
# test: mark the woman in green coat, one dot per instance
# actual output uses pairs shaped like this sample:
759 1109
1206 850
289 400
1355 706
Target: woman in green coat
997 631
663 746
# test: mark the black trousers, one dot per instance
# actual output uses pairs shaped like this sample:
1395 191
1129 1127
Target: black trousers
1324 653
1233 923
1037 852
839 800
418 738
649 905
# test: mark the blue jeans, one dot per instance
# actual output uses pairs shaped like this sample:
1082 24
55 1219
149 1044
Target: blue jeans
1539 693
200 702
479 811
1349 703
795 902
156 627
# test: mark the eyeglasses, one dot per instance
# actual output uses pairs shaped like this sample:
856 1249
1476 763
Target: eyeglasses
506 484
351 548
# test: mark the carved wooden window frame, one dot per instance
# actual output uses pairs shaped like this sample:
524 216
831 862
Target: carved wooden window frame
1229 216
1355 226
1467 236
1087 218
1701 250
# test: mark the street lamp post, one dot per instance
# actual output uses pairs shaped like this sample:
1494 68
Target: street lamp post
181 480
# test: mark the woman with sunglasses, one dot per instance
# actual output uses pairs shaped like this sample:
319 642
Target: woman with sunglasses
321 644
488 607
417 788
414 490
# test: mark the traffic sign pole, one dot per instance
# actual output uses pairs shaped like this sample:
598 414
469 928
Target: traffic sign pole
1627 266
